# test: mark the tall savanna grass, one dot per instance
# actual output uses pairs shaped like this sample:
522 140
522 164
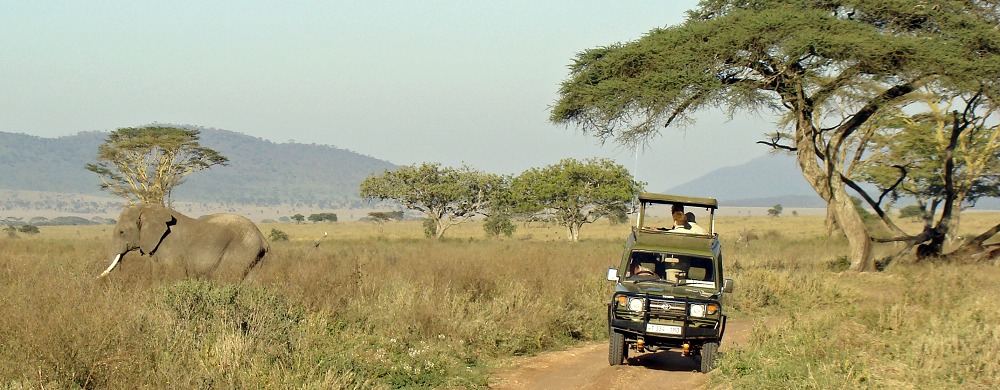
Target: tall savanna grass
924 325
347 311
369 306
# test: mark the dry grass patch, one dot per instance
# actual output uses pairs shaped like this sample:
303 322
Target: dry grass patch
375 307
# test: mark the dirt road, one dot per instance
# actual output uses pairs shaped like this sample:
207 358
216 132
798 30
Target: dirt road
586 368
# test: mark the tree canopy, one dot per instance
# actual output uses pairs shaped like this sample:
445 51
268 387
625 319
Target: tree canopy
144 165
573 192
830 67
447 196
323 217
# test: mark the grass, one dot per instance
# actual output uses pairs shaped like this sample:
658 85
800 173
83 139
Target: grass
382 307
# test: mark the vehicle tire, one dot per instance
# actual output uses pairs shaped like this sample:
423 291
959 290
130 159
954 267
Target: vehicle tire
616 350
708 353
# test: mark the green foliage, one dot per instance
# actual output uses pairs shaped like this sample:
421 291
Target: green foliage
839 264
618 216
11 231
384 216
323 217
28 229
143 165
277 235
495 225
866 215
430 227
828 67
918 147
298 218
775 211
732 54
912 212
448 196
573 192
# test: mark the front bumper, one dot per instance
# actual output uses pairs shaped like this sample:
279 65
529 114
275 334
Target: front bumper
684 328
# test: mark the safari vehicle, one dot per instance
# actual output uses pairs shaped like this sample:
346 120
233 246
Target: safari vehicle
669 284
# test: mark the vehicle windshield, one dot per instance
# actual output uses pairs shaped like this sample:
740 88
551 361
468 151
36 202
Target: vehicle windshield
670 267
660 216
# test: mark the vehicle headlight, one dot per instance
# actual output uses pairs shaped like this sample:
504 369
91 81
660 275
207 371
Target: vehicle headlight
636 304
697 310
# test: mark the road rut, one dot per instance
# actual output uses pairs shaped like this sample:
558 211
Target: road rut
586 368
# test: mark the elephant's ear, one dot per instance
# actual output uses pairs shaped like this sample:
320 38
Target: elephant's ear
154 224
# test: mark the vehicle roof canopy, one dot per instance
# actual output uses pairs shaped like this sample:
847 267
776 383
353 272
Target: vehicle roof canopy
650 197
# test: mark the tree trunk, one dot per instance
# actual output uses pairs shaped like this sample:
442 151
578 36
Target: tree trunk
824 177
831 220
573 232
439 228
850 222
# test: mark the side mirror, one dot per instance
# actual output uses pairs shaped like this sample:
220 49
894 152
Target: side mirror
613 274
727 286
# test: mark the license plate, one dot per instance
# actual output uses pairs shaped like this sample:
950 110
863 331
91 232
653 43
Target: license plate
665 329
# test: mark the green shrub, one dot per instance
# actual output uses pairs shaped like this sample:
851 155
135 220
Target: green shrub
28 229
495 225
277 235
430 228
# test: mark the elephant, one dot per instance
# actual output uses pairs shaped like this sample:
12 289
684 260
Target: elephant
222 247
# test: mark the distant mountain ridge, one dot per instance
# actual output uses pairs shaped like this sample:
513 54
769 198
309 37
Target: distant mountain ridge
766 181
39 174
259 172
761 182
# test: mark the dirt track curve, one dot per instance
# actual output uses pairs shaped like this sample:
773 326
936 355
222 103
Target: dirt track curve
586 368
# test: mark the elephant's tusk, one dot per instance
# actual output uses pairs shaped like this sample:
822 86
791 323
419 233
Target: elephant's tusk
112 266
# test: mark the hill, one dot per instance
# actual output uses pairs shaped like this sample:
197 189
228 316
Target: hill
767 181
761 182
46 177
259 172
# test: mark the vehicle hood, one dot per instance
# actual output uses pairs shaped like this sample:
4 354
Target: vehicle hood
666 290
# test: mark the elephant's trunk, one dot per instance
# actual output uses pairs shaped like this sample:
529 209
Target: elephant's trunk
111 267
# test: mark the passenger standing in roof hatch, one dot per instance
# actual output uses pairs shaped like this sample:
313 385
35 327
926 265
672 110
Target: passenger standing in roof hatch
680 223
695 227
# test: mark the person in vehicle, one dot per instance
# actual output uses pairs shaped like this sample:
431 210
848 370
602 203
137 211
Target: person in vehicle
695 227
637 269
682 225
680 222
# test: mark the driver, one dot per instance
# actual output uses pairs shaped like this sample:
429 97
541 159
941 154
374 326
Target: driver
637 268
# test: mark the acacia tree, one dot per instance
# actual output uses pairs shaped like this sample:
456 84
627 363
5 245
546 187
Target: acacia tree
145 164
448 196
852 58
946 155
573 192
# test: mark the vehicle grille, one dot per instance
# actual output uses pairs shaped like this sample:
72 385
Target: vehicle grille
664 308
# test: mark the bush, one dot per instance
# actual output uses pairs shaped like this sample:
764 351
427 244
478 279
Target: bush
29 229
495 225
911 211
430 228
277 235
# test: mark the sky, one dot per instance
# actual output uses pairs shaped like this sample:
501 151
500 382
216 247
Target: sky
454 82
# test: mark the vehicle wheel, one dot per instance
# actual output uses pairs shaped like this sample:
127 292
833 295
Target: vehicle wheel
616 350
708 354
